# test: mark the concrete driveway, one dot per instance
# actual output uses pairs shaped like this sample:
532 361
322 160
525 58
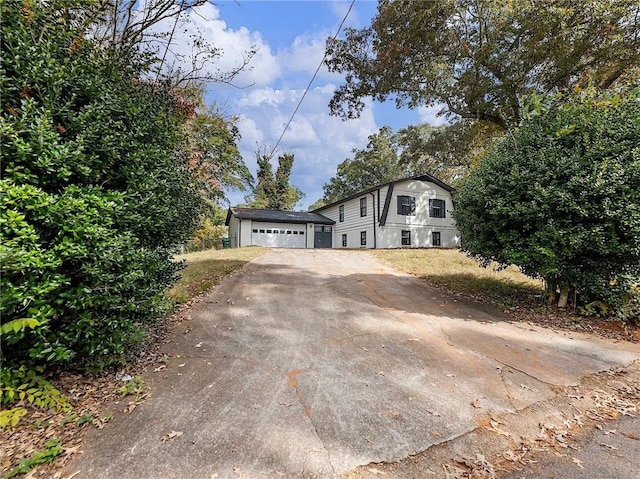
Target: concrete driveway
309 363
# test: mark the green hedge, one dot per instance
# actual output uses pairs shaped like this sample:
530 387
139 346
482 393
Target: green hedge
96 192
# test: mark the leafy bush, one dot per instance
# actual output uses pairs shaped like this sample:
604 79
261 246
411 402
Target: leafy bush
96 191
560 198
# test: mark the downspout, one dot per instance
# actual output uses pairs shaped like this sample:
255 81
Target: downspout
373 204
239 233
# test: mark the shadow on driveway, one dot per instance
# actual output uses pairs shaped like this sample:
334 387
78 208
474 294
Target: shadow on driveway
310 363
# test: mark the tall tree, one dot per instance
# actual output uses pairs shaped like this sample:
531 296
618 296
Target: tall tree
479 58
445 151
130 27
214 157
375 165
274 192
96 188
560 198
441 151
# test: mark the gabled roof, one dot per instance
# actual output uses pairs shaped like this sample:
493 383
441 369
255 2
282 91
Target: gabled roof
423 177
275 216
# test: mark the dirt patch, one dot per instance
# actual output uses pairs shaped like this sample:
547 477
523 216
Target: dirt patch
536 314
94 398
616 330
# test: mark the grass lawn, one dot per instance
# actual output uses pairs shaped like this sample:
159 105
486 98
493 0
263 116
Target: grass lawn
205 269
455 272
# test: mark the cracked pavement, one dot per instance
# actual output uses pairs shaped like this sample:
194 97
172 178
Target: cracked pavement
310 363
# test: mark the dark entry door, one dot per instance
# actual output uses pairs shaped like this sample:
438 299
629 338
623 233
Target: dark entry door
322 237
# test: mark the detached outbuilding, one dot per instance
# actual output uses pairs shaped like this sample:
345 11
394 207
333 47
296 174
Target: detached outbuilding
278 229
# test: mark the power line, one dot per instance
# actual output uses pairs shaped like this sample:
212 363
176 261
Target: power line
310 82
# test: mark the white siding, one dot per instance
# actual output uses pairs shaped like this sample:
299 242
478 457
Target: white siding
310 235
421 225
245 232
234 225
353 223
239 232
391 236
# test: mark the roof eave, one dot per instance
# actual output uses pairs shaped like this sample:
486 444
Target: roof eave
424 176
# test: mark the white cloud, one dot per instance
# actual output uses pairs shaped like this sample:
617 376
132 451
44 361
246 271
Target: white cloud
304 54
318 141
429 114
275 83
234 46
257 97
301 132
251 133
358 16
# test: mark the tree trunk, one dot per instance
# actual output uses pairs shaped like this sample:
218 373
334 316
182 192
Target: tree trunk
564 296
552 295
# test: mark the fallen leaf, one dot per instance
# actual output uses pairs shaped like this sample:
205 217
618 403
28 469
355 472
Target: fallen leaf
494 428
476 403
524 386
71 450
578 462
182 365
509 456
614 448
373 470
171 435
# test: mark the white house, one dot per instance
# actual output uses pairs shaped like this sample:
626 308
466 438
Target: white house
413 212
282 229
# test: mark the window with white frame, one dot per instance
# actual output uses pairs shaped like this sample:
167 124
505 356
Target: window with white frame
363 238
344 240
363 206
406 205
406 238
435 238
341 213
437 208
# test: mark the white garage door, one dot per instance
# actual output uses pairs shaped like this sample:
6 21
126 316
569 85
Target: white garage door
279 235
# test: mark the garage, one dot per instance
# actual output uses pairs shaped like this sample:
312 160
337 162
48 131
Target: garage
278 235
278 229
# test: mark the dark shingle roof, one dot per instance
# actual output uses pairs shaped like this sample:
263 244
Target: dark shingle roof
274 216
423 177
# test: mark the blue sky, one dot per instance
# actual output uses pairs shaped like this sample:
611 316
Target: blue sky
289 37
